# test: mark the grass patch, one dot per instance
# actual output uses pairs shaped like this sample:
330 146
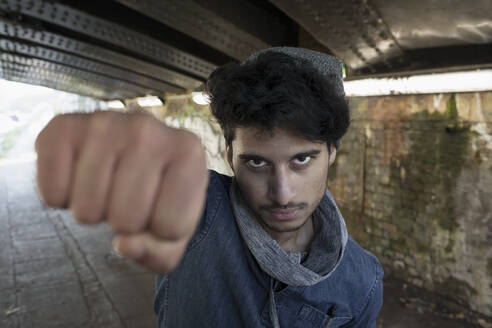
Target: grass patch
8 141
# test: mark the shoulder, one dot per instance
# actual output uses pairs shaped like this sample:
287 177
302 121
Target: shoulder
357 257
217 192
217 197
364 274
217 179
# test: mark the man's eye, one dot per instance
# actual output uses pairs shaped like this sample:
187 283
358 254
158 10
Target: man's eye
302 160
256 163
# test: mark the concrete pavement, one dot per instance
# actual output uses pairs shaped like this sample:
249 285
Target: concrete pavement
57 273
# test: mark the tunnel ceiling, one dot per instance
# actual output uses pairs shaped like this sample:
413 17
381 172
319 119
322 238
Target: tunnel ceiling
128 48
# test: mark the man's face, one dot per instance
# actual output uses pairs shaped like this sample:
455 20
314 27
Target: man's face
282 176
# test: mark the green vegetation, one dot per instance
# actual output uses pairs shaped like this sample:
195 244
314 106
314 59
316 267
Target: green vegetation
8 141
434 162
451 109
188 111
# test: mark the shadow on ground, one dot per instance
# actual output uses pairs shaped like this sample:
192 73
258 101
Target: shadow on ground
408 306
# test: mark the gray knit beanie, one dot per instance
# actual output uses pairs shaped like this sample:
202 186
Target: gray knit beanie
330 67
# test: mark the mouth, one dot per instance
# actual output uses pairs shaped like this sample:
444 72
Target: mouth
283 214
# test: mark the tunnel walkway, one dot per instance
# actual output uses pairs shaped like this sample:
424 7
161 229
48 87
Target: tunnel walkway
57 273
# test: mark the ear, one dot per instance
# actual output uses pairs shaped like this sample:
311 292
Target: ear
333 154
228 150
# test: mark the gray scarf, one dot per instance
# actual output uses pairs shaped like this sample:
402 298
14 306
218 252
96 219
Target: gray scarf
327 246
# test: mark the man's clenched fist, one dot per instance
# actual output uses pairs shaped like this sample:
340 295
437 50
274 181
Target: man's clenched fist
147 180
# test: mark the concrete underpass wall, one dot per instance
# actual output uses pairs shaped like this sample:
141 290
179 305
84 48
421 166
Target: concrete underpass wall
413 179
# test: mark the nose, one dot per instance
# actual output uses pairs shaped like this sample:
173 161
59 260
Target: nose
281 189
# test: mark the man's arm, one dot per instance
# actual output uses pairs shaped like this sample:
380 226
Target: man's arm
147 180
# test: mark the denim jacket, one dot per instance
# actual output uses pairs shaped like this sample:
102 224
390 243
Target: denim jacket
219 284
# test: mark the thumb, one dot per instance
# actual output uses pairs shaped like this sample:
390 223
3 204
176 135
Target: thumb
156 254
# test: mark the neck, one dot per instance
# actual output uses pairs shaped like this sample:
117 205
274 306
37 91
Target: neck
298 240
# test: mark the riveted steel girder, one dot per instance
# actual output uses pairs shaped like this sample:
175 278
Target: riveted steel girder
202 24
54 80
113 34
36 71
48 54
352 29
36 35
58 81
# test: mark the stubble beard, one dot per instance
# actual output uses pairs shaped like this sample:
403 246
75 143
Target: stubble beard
265 224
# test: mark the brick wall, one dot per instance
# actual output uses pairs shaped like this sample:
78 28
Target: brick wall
414 181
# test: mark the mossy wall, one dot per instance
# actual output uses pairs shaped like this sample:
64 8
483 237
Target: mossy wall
414 181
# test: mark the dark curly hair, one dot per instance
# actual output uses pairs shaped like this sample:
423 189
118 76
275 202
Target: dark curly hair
277 90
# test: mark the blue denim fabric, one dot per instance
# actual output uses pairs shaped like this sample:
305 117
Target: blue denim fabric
219 284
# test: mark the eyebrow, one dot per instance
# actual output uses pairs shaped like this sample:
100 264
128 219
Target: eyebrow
258 157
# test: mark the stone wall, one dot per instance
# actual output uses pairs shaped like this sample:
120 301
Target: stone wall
414 181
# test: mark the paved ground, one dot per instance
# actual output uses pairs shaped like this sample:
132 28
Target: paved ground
406 306
56 273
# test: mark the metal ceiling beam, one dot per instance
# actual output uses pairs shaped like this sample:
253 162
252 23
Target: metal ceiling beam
72 79
37 35
54 80
59 57
258 18
200 23
111 34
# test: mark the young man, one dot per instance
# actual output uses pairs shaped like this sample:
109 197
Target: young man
265 248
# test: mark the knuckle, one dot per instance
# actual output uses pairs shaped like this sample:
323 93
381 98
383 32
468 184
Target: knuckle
145 130
57 121
191 139
123 225
101 124
192 146
52 128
